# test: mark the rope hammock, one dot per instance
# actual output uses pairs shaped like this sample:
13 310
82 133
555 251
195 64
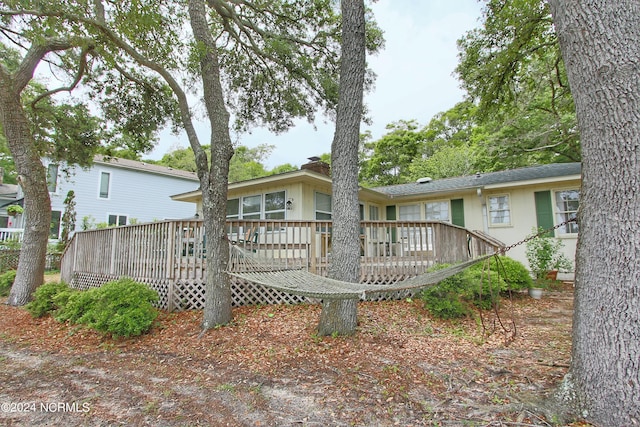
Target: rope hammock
303 283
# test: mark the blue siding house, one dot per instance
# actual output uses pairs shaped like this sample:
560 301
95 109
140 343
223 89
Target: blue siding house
118 192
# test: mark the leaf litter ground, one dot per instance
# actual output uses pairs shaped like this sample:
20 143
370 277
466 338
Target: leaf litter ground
268 368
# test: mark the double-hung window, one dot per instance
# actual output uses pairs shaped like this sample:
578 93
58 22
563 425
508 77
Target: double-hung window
437 211
499 210
567 203
323 206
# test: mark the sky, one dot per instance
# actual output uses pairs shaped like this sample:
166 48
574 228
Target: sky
414 81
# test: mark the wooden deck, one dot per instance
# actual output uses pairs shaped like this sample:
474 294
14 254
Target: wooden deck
171 256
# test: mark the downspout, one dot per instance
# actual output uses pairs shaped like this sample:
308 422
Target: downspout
485 218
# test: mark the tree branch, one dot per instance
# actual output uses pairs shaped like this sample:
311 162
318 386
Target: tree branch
24 73
82 66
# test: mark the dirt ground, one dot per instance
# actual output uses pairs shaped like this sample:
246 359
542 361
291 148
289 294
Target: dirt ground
268 368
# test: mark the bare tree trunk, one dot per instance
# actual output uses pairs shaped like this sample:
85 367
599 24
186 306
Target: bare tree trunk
213 180
340 316
32 178
600 43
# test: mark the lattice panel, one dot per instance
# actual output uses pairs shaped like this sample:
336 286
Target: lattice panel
246 293
85 281
188 295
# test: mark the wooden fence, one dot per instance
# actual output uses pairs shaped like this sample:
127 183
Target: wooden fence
170 256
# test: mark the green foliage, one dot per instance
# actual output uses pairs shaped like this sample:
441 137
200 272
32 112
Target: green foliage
386 161
15 209
512 68
514 273
444 300
478 286
68 219
44 299
121 308
544 253
6 281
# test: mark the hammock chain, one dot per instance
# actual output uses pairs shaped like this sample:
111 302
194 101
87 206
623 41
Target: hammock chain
536 235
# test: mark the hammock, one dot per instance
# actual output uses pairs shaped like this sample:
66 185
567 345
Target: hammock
303 283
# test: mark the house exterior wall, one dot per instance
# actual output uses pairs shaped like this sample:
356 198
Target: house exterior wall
137 195
476 201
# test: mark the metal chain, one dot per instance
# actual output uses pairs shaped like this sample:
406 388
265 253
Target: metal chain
540 233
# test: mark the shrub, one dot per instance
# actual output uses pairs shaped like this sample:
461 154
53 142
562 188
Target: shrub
544 253
6 281
121 308
444 300
44 299
515 274
475 286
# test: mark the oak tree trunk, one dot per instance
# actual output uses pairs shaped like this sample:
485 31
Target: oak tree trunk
32 179
213 179
600 43
340 316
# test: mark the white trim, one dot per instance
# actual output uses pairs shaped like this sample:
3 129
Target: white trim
100 172
489 211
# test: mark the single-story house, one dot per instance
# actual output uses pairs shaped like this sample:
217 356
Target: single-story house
506 205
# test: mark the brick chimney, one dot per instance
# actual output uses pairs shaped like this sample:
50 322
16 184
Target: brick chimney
317 165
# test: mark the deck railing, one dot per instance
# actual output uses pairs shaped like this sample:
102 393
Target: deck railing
171 255
11 234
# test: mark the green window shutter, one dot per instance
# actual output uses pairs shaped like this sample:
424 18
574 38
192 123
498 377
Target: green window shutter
391 216
544 209
457 212
391 213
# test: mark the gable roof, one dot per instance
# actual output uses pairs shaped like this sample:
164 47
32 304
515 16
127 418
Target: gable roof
145 167
486 180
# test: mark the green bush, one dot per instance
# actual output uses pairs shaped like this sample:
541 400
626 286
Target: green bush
122 308
44 299
6 281
475 286
445 300
514 273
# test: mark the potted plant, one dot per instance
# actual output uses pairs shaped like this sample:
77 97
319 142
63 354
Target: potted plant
545 257
13 210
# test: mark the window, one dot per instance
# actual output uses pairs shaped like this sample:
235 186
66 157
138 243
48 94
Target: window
274 205
374 213
499 210
437 211
233 208
323 206
251 207
52 177
409 212
117 220
105 183
54 229
567 203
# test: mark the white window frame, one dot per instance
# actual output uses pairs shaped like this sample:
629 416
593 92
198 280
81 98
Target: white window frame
102 173
263 212
282 210
490 211
561 216
55 183
317 211
439 202
236 215
118 217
